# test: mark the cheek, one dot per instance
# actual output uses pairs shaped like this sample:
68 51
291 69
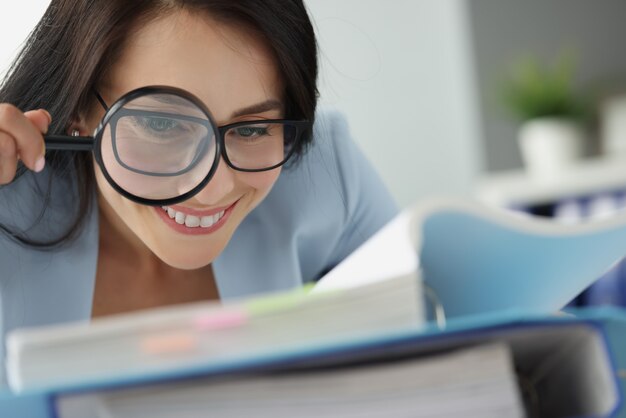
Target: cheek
261 182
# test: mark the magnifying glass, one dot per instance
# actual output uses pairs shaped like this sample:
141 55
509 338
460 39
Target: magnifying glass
159 145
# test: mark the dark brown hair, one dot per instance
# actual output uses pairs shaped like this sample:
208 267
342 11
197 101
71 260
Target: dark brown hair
76 41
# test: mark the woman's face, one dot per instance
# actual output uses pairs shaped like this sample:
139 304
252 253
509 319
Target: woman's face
233 73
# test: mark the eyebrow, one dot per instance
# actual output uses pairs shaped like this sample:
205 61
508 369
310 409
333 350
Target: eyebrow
170 99
265 106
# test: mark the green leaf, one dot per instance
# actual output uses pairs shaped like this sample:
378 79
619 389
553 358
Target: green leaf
534 91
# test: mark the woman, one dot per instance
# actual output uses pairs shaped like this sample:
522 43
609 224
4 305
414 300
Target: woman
73 247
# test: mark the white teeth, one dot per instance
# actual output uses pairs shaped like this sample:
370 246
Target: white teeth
192 221
206 221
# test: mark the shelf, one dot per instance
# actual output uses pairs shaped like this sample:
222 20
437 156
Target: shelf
518 188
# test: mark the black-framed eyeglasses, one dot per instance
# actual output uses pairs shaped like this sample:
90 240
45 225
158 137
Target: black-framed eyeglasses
159 145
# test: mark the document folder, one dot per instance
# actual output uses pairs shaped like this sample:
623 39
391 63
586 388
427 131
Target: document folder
571 364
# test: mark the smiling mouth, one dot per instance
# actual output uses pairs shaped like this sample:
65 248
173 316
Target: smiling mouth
192 221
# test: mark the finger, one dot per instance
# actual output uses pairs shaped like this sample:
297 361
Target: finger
8 158
40 118
27 136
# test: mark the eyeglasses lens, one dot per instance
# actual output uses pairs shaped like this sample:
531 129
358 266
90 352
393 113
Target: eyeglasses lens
260 145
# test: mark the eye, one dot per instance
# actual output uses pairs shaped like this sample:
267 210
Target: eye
251 131
158 124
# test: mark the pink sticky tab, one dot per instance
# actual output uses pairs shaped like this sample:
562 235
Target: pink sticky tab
221 320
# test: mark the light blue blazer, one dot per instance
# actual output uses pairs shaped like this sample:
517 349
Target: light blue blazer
317 213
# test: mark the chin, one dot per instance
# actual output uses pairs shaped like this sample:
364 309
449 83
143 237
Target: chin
188 261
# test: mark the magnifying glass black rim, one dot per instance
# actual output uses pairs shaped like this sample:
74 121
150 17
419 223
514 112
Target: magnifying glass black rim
121 102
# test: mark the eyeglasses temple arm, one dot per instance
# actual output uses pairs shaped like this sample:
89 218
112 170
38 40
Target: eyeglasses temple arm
69 143
101 100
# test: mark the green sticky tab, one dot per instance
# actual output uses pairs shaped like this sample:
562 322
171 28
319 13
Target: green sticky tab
278 302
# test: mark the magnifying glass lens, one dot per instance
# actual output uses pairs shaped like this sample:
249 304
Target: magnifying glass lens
158 146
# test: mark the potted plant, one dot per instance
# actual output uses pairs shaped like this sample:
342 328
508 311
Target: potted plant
551 135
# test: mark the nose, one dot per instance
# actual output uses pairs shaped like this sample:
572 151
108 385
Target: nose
221 184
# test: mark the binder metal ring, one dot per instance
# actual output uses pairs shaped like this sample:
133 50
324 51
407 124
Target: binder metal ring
439 311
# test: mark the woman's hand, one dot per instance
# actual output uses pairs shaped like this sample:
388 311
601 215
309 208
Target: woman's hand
21 138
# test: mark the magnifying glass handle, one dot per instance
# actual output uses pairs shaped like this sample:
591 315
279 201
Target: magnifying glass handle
69 143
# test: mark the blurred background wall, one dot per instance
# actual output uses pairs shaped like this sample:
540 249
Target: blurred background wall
403 73
18 19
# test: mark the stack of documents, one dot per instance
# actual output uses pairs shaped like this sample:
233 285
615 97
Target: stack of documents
491 367
473 382
172 338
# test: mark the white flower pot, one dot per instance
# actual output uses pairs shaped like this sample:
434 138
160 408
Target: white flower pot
549 146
